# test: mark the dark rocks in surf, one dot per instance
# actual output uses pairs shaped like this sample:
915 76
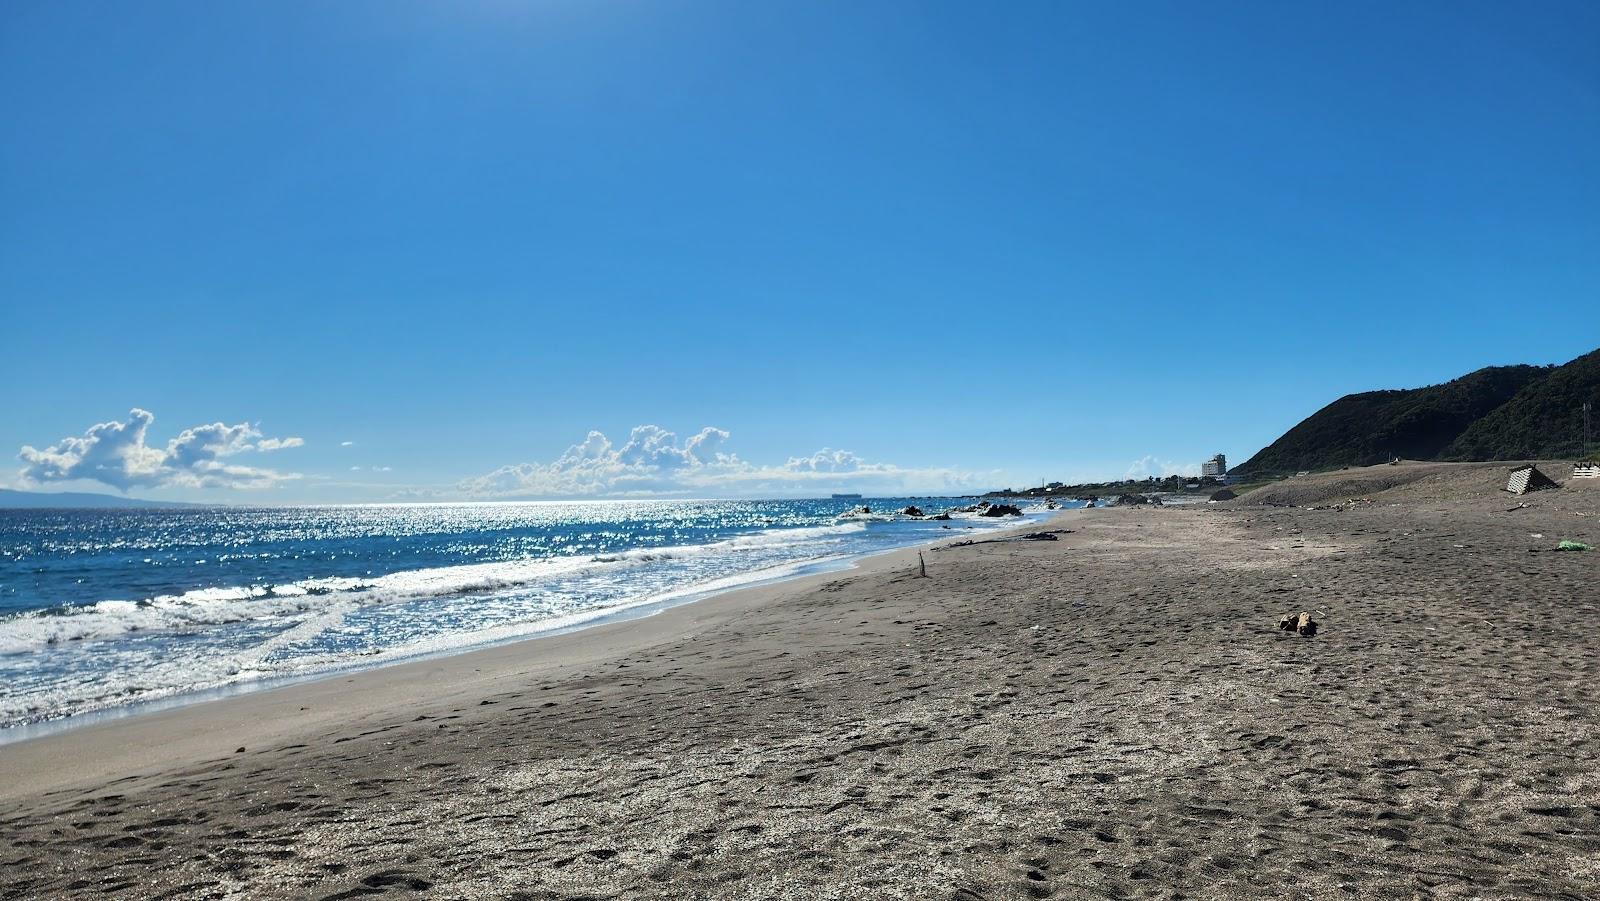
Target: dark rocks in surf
1137 500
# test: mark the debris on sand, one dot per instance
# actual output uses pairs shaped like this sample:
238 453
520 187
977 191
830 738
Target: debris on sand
1524 479
1031 536
1566 545
1301 623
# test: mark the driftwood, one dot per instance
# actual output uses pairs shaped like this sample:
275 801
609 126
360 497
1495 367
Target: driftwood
1031 536
1298 622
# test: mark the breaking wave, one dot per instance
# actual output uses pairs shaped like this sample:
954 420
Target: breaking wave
206 607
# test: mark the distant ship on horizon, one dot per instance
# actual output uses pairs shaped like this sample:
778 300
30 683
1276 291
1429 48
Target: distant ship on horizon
846 497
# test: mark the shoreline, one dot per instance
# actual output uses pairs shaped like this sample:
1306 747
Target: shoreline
1111 714
125 727
619 613
561 624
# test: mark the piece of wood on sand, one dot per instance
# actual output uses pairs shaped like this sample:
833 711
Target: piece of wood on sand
1298 622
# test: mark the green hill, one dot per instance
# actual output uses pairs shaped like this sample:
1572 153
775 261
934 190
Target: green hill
1543 421
1498 413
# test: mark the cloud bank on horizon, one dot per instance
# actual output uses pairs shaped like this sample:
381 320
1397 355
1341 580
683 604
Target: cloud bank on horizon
115 454
653 462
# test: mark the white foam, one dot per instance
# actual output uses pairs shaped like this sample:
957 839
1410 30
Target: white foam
478 604
146 681
204 607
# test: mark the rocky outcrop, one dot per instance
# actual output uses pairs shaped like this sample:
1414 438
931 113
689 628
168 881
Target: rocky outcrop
1001 510
1136 500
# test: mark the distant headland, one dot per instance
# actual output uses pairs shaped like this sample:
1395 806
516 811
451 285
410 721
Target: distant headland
12 499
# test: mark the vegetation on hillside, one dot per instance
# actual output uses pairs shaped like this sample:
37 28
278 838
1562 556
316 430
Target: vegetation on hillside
1543 421
1376 426
1172 484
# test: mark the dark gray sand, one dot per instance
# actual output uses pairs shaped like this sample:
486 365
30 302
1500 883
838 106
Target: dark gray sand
1114 714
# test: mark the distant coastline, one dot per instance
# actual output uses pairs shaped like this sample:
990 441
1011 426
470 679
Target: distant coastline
1167 485
12 499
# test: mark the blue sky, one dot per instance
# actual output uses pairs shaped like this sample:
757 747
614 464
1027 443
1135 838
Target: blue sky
953 246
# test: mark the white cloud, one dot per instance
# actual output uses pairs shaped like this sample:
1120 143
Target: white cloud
825 460
115 453
653 462
346 443
1150 465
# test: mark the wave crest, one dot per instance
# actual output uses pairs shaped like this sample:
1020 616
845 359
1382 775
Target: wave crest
215 606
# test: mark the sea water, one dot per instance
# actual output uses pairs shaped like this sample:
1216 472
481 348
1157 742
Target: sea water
108 610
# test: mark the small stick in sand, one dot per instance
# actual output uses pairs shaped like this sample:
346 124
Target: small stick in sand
922 565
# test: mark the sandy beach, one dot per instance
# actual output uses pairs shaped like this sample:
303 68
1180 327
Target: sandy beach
1111 714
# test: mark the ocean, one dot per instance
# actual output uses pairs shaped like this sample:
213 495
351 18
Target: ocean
107 611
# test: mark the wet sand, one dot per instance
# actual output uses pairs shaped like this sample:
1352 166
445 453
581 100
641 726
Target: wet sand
1113 714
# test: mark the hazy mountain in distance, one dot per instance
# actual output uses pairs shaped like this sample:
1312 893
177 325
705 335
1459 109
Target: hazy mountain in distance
11 499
